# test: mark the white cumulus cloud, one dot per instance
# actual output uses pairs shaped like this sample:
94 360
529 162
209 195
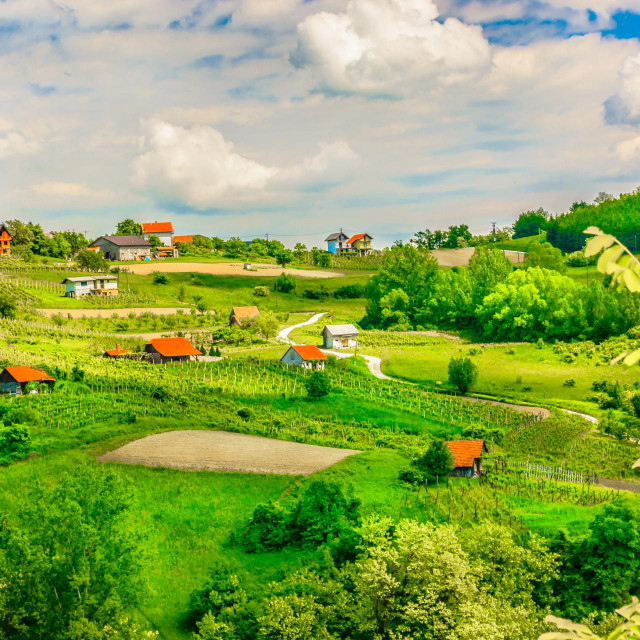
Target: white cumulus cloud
14 143
199 168
624 106
389 47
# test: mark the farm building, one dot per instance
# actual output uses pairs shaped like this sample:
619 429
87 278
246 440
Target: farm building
307 356
116 353
177 239
14 380
163 350
360 244
467 457
123 247
340 336
91 285
243 315
5 241
336 242
161 230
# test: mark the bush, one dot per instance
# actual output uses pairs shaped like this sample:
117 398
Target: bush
15 443
318 385
261 292
350 291
462 373
160 278
569 382
245 414
321 293
437 460
77 374
285 283
8 306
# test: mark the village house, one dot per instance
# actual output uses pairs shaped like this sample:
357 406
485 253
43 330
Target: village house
243 315
467 457
116 353
161 230
360 244
307 356
101 285
123 247
14 380
5 241
336 242
163 350
184 239
340 336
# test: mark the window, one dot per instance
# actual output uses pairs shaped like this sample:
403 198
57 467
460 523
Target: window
83 284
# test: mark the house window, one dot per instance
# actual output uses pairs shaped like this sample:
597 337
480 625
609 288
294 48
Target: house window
83 284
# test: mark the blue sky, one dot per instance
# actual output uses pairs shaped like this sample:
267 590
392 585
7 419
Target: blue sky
293 117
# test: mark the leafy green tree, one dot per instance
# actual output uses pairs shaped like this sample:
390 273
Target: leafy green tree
318 385
8 307
458 236
58 247
128 227
75 556
285 283
210 629
545 256
154 241
92 261
284 257
299 251
530 222
15 443
235 248
487 268
267 325
437 460
463 373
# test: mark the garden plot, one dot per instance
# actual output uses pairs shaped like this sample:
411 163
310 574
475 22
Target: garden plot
223 451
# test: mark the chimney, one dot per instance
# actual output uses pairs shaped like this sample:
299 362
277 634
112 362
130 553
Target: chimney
117 347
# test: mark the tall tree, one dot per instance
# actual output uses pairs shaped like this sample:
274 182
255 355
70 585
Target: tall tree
128 227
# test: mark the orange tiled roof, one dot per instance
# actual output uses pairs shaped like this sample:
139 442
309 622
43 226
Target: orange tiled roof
357 237
465 451
246 312
27 374
157 227
309 352
174 347
118 351
183 238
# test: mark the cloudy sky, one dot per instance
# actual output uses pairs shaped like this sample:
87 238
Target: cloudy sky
296 117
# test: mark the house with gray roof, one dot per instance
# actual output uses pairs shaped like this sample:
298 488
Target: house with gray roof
123 247
336 242
340 336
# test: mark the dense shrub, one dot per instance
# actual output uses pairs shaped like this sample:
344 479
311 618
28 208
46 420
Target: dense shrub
462 373
436 461
261 292
160 278
15 443
285 283
349 291
318 385
319 293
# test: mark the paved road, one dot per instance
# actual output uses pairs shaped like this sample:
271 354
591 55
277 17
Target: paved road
283 336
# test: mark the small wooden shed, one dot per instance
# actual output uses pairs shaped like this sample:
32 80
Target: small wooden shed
118 352
162 350
307 356
243 315
467 457
340 336
14 380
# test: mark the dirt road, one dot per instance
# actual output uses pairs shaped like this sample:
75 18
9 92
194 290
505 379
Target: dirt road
225 269
461 257
224 451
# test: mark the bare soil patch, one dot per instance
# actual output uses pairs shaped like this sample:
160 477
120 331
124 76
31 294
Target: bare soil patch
108 312
461 257
225 451
225 269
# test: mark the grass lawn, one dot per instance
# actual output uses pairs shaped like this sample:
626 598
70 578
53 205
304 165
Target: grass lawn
521 372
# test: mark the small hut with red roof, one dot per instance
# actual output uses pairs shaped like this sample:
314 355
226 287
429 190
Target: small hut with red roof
467 457
163 350
14 380
307 356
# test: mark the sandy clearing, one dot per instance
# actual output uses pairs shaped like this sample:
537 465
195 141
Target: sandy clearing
225 451
107 313
461 257
225 269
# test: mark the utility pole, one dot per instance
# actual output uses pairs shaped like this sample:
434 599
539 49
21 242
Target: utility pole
493 228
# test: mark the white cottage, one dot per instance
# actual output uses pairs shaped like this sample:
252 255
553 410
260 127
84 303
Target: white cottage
307 356
161 230
340 336
91 285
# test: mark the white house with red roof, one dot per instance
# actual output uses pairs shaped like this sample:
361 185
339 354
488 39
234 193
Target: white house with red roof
307 356
161 230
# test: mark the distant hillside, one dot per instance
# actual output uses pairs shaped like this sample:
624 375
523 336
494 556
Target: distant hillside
620 217
519 244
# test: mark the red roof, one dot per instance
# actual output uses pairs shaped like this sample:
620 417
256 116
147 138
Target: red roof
465 451
357 237
118 351
183 238
309 352
157 227
174 347
27 374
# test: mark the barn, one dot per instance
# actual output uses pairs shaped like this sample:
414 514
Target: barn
467 457
243 315
307 356
123 247
14 380
163 350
